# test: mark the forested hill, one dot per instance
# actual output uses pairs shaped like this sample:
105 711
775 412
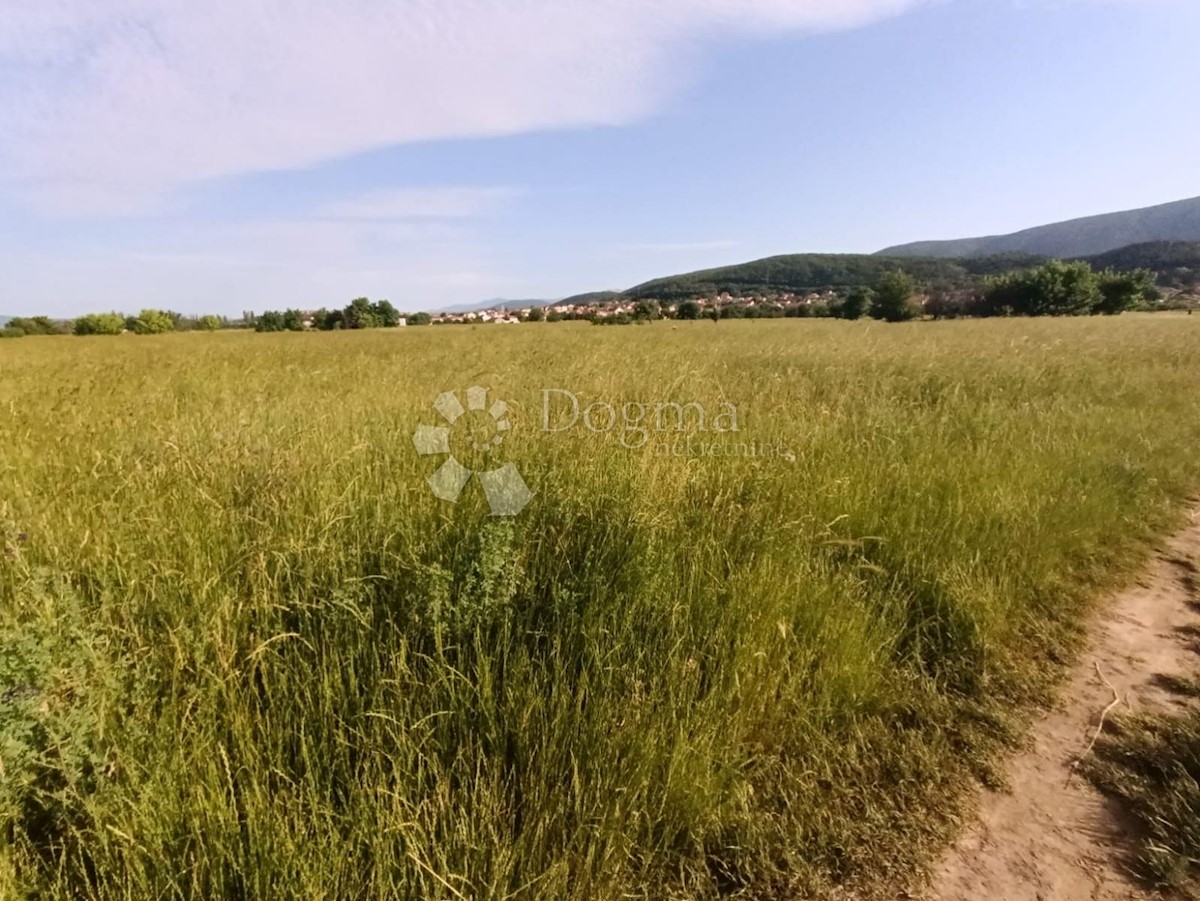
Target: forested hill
813 272
1176 262
1178 221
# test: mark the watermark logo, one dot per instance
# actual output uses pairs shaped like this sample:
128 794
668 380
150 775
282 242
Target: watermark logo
666 428
483 428
636 423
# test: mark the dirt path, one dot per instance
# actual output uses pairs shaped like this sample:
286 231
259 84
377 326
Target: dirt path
1054 837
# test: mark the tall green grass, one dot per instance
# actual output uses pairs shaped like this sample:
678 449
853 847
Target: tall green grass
247 654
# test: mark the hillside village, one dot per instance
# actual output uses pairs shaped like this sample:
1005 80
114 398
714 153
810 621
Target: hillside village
624 307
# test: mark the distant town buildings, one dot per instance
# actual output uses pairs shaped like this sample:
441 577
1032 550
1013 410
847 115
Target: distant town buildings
614 308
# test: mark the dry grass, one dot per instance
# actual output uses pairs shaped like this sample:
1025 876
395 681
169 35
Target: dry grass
248 655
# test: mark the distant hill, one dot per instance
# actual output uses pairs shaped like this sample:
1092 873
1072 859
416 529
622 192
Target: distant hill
1161 256
815 272
590 298
1179 221
1176 262
496 303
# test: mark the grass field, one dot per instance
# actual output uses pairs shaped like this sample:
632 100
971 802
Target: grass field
246 653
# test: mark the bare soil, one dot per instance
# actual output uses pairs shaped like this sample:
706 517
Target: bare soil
1052 836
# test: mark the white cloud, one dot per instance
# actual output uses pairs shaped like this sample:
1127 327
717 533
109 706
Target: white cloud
107 104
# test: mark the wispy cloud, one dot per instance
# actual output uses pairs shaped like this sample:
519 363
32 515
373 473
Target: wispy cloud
107 104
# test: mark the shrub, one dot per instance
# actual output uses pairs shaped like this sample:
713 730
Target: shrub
100 324
36 325
151 322
52 680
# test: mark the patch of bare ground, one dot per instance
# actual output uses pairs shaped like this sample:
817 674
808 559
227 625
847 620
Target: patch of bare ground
1053 836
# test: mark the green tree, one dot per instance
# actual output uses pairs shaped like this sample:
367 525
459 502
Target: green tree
270 321
854 305
293 321
536 314
209 323
100 324
386 315
892 298
328 320
688 309
1056 288
359 314
151 322
420 319
647 311
35 325
1121 291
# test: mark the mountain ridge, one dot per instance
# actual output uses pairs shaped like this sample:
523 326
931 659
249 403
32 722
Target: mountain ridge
1081 237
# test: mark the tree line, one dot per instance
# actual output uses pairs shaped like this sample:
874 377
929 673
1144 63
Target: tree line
147 322
360 313
1054 288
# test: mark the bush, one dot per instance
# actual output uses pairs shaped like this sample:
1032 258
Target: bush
100 324
151 322
52 680
36 325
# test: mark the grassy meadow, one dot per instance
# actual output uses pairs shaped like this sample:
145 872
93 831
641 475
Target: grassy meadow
246 653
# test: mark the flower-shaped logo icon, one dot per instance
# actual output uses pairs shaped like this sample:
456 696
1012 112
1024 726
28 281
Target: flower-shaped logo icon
505 490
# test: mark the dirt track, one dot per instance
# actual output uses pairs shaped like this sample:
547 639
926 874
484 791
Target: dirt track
1054 837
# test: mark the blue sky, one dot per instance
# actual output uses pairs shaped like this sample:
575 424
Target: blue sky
227 156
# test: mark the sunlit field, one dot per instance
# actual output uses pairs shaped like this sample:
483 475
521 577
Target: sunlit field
245 652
